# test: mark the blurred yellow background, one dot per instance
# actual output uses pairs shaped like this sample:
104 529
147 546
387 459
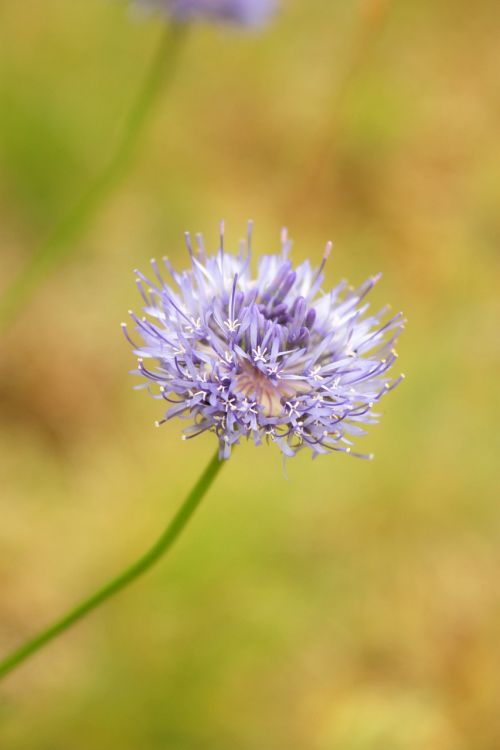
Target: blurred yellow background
354 605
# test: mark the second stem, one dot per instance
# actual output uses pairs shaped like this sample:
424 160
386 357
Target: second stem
74 223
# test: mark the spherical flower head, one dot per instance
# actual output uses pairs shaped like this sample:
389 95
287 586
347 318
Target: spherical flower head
251 13
270 356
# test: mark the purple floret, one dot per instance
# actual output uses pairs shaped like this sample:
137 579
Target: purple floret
268 356
241 12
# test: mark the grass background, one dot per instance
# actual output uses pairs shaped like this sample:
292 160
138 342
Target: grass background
352 606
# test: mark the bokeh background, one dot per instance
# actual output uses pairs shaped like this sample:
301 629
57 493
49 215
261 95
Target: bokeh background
352 605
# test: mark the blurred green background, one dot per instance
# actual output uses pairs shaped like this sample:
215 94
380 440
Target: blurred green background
354 605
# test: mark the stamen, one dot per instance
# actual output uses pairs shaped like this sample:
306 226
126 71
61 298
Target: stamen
187 238
221 235
326 255
249 236
200 244
127 336
156 270
231 303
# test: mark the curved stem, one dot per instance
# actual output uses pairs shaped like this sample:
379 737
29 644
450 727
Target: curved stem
59 243
143 564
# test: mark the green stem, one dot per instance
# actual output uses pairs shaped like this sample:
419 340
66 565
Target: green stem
62 240
143 564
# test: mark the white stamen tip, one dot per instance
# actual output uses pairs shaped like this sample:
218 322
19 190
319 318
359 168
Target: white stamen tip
157 424
328 250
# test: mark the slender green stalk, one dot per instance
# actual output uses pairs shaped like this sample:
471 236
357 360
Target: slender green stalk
143 564
63 239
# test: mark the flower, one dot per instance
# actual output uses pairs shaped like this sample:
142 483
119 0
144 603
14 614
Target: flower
241 12
267 357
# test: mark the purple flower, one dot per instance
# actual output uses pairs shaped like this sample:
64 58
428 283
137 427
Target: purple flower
267 356
242 12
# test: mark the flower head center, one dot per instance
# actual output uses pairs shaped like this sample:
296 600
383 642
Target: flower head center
269 393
